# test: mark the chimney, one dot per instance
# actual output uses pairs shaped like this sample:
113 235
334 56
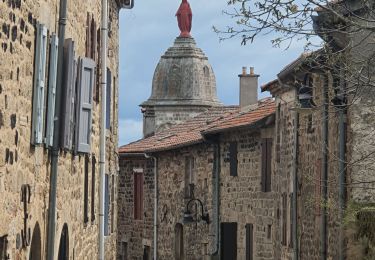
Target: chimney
248 88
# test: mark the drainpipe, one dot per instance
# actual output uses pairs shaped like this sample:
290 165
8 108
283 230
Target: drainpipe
56 135
103 60
323 228
156 195
342 165
216 199
295 185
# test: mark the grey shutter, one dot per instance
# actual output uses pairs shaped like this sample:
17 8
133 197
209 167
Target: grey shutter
269 162
86 77
39 83
233 158
264 165
51 89
108 103
69 92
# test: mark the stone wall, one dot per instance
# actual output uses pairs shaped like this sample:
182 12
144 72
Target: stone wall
241 198
134 234
171 171
22 163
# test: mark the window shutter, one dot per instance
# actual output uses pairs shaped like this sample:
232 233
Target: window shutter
86 77
106 204
233 158
108 103
39 82
93 170
86 191
69 94
52 89
264 164
269 163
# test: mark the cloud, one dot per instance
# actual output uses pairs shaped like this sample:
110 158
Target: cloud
150 28
129 130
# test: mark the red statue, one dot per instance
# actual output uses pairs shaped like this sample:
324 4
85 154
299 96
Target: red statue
184 17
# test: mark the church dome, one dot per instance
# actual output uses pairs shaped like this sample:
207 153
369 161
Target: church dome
183 76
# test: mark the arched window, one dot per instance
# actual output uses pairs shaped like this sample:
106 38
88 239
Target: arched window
64 244
179 242
35 248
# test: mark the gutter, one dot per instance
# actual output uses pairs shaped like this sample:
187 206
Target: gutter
56 135
156 195
102 147
324 183
295 186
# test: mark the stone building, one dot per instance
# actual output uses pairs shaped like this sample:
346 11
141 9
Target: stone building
183 86
28 59
186 161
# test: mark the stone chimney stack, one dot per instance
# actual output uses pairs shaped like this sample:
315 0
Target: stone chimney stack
248 88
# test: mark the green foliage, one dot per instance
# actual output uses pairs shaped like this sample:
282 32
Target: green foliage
359 224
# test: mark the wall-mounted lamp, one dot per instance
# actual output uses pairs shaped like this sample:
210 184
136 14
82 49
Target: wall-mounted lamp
188 215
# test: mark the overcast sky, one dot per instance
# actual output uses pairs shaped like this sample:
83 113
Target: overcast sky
151 27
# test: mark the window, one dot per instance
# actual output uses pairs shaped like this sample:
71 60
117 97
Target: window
146 253
39 83
84 104
179 242
91 36
284 220
249 242
310 125
266 164
124 251
51 89
3 248
233 158
106 204
86 191
93 170
189 176
269 231
138 195
69 95
108 103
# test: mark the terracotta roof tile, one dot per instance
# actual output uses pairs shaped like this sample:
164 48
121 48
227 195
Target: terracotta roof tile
216 119
265 108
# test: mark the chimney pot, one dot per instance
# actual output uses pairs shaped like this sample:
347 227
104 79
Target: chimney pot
244 69
252 71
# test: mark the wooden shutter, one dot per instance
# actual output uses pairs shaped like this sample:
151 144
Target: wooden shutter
266 164
108 103
233 158
86 191
228 241
284 222
69 95
39 83
93 170
249 242
52 89
106 205
86 77
138 195
93 39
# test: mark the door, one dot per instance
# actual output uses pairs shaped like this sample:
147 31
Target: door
228 241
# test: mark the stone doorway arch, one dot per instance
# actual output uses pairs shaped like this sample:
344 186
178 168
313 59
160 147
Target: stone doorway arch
36 244
64 244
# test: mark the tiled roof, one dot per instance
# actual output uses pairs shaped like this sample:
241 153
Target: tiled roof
216 119
265 108
182 134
